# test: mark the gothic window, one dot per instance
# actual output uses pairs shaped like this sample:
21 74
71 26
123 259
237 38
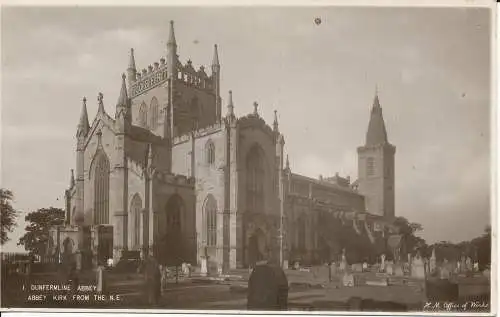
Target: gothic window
135 211
101 189
210 213
143 115
153 114
255 180
210 152
370 166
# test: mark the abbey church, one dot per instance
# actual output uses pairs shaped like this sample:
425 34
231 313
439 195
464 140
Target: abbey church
174 173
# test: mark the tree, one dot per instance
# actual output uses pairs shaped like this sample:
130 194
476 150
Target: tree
9 214
409 241
483 246
36 238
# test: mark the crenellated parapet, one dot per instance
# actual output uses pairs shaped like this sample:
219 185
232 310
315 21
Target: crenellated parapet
214 128
195 78
149 78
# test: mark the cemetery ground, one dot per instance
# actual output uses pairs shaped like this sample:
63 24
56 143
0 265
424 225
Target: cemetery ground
308 290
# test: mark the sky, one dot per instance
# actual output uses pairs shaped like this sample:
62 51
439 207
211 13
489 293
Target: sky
431 67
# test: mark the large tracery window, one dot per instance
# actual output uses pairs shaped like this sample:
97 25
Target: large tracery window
210 152
143 115
135 211
101 189
153 114
211 220
255 180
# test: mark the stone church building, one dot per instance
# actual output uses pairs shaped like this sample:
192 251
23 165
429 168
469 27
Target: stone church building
176 174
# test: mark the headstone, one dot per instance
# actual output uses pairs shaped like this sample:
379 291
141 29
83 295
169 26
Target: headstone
468 264
476 266
267 288
296 265
204 266
379 282
185 269
189 269
398 270
389 268
357 267
163 272
285 264
110 262
100 279
444 272
219 269
365 266
348 280
432 262
463 264
486 273
418 268
382 263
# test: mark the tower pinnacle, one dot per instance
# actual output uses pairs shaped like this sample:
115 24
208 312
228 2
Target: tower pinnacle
131 63
376 133
215 60
275 123
230 105
171 36
83 125
123 98
100 109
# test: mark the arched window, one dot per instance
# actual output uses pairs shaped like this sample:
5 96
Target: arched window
255 179
153 114
143 115
370 166
135 212
101 189
210 152
210 212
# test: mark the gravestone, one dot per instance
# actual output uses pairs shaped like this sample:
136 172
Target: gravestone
285 264
267 288
101 287
348 280
418 268
476 266
398 270
444 272
357 267
432 262
296 265
382 263
468 264
204 266
365 266
389 268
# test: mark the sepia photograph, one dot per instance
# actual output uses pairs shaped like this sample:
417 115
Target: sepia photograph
321 158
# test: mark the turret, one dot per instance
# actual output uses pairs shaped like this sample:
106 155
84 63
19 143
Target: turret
230 108
83 124
275 123
172 53
131 70
216 81
122 114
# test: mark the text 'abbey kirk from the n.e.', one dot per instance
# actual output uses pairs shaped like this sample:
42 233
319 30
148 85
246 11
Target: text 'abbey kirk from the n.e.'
174 175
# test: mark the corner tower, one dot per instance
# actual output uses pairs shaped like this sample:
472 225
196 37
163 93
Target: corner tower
376 166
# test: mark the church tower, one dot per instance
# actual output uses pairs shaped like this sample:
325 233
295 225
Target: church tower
376 166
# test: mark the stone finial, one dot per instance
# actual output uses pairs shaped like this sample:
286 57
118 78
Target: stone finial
131 63
156 65
287 163
275 123
215 59
171 37
100 102
162 61
255 108
144 71
150 69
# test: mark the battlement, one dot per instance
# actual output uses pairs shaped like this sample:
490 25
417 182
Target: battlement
216 127
197 78
149 78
